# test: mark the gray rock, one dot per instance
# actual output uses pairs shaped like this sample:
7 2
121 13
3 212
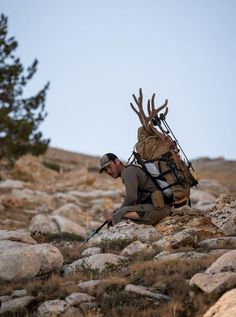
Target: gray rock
202 200
92 194
224 307
53 308
55 224
8 185
6 245
35 199
77 298
90 286
180 239
226 263
218 243
19 293
214 283
91 251
127 230
137 247
94 262
138 289
16 236
166 255
15 305
220 275
72 212
223 215
86 306
29 261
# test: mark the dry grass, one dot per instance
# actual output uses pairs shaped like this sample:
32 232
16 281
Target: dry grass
167 277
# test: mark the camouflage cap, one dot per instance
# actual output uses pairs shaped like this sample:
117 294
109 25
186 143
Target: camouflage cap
106 159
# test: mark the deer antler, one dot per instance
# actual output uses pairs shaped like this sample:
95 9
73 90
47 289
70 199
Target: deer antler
152 119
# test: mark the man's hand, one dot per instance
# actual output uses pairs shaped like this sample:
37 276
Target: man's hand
109 221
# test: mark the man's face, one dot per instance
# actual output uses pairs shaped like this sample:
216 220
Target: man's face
113 169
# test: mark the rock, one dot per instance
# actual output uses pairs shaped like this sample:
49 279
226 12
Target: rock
55 224
166 255
223 215
127 230
202 200
218 243
224 307
30 168
94 262
72 212
91 251
137 247
211 186
141 290
44 224
19 293
8 185
187 218
78 298
185 237
35 199
29 261
86 306
68 198
6 245
4 298
53 308
90 286
226 263
219 276
16 236
214 283
75 178
15 305
93 194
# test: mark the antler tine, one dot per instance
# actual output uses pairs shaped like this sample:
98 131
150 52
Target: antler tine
140 113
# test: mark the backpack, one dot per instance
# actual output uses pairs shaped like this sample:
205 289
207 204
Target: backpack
159 155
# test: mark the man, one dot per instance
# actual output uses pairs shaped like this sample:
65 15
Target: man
143 203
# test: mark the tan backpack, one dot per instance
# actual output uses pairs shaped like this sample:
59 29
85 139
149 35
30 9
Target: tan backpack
159 154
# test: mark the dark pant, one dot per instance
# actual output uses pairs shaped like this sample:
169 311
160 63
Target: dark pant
147 213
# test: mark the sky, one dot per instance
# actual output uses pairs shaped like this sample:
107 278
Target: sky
96 54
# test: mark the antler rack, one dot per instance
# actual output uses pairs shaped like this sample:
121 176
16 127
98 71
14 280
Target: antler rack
153 119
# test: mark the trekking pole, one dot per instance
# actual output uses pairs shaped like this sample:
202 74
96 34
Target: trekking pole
93 232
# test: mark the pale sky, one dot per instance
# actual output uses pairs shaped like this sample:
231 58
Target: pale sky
97 53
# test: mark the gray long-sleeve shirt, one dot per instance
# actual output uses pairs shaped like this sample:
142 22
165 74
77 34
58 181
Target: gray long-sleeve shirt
138 185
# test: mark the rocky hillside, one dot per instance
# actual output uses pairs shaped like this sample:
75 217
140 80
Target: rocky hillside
184 266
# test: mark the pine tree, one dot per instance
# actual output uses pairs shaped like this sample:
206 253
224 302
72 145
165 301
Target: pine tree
19 117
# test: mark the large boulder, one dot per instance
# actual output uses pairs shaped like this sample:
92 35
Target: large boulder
223 215
185 218
224 307
29 261
13 307
30 168
202 200
9 184
73 212
182 238
52 308
219 276
35 199
126 231
98 262
55 224
137 247
218 243
16 236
